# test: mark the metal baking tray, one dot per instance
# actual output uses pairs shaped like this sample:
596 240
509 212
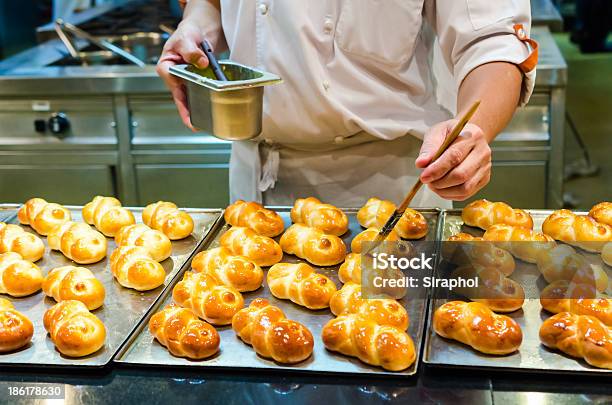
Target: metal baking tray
123 308
143 350
532 355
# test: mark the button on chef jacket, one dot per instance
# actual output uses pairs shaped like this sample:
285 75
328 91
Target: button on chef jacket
358 91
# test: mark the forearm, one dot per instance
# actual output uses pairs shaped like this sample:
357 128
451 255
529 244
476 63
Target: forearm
206 15
498 86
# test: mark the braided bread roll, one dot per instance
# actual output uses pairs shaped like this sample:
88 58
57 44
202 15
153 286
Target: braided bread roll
183 334
579 336
262 250
606 254
382 311
579 299
578 230
211 301
563 263
271 334
74 283
376 212
16 330
156 242
107 215
476 325
464 249
42 216
379 345
74 330
300 283
134 267
350 269
18 277
254 216
238 272
313 245
484 214
523 243
369 235
14 239
78 242
167 218
325 217
602 213
495 290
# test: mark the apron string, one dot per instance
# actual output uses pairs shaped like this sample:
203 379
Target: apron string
269 169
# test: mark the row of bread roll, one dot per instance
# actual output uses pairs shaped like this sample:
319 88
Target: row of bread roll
14 239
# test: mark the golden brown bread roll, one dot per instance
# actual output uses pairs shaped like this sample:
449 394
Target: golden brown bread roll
74 283
107 215
74 330
369 235
476 325
183 334
235 271
16 330
578 230
325 217
42 216
602 213
78 242
134 267
523 243
579 336
271 334
254 216
300 283
167 218
313 245
18 277
350 269
14 239
580 299
606 254
156 242
463 249
261 250
379 345
484 214
376 212
348 300
211 301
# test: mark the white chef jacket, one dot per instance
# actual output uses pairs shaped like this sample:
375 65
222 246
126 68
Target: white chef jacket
358 91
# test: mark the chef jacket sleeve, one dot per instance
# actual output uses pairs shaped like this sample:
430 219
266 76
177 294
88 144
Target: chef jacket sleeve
475 32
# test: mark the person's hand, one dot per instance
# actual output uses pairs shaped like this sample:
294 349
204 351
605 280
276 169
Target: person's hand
182 47
463 169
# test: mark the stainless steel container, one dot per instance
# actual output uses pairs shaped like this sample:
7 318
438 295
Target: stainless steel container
229 110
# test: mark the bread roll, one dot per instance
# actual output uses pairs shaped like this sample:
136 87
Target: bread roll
523 243
74 283
602 213
42 216
183 334
476 325
300 283
484 214
606 254
107 215
350 270
78 242
211 301
16 330
348 300
579 336
271 334
262 250
564 263
14 239
379 345
578 230
134 267
580 299
463 249
325 217
313 245
369 235
167 218
18 277
156 242
74 330
235 271
376 212
254 216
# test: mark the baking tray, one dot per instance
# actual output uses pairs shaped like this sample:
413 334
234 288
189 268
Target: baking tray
143 350
123 308
532 355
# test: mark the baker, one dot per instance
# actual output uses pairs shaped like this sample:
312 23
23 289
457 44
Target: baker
357 115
